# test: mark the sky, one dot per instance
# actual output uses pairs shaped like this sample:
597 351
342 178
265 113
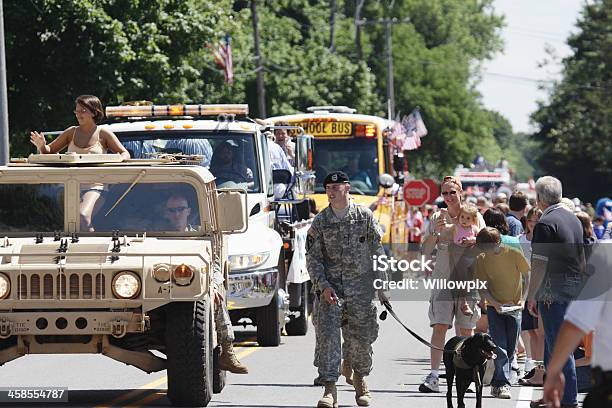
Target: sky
510 81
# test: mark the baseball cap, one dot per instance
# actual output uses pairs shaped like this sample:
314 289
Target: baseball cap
335 177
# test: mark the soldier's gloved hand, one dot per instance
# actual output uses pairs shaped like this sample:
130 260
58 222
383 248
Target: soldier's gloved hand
383 295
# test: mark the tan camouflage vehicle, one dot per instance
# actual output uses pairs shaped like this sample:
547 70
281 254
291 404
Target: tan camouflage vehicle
129 281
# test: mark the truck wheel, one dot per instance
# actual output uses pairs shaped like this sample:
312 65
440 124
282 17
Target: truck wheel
218 374
189 352
268 324
298 326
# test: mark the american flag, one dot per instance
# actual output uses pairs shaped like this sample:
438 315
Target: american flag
223 58
415 130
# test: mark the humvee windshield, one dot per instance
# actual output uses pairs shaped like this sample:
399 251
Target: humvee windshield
230 157
31 207
147 207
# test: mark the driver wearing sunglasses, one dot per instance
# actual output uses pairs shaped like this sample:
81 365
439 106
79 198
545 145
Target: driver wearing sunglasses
177 212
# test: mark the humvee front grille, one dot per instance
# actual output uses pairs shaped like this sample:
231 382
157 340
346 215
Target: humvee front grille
75 286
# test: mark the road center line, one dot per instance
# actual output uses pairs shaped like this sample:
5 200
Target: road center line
164 380
133 393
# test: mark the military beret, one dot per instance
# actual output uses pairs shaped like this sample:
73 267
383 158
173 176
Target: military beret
335 177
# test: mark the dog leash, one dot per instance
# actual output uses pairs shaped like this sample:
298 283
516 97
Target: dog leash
383 316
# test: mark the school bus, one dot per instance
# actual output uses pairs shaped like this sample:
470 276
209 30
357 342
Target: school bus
358 145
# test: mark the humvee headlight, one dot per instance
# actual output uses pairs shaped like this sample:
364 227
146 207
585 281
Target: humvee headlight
5 286
162 272
183 274
126 285
239 262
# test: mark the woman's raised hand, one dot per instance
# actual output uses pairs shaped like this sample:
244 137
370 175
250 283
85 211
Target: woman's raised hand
38 140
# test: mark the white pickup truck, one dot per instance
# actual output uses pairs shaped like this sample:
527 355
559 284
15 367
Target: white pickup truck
268 285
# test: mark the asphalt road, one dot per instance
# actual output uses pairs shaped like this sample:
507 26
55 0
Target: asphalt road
279 376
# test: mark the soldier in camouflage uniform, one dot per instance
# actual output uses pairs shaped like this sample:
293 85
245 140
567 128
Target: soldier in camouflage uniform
225 333
340 245
176 212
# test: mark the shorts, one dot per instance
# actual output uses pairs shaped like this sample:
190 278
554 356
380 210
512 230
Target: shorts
528 322
443 312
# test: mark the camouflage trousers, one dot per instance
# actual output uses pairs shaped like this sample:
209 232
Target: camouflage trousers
345 341
359 327
225 332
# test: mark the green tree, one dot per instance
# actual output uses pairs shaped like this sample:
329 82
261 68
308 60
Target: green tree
575 127
438 46
116 49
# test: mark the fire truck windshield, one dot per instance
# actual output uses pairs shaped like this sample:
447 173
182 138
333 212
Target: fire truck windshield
230 157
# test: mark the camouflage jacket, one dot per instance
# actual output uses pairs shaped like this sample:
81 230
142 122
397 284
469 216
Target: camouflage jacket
339 252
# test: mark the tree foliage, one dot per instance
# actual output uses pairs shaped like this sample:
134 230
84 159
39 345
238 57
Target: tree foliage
116 49
156 50
575 127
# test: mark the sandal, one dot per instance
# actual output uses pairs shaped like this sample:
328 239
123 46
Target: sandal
538 404
535 380
529 374
467 310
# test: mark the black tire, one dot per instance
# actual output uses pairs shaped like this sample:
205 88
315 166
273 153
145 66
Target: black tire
219 375
298 326
268 324
189 352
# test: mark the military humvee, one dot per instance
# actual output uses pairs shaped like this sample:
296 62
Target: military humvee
131 280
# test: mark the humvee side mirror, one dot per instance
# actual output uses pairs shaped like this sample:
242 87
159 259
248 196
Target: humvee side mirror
232 210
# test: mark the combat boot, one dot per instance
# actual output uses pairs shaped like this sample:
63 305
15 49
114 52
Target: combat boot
229 362
330 396
347 371
362 394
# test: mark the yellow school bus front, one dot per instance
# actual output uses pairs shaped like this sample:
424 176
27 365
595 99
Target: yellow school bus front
354 144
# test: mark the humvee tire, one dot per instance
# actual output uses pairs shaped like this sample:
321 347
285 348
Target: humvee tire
268 324
298 326
190 354
218 374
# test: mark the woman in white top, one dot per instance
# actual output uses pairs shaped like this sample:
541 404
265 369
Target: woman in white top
86 137
531 331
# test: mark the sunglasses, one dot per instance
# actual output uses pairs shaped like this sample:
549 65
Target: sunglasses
80 111
176 210
452 192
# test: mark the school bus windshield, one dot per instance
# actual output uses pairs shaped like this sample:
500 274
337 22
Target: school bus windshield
356 157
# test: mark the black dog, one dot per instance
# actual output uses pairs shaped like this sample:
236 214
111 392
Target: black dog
465 358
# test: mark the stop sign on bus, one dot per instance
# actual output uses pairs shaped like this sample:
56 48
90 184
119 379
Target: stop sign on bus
416 192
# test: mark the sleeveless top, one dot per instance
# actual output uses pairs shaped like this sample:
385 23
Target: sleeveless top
96 148
461 233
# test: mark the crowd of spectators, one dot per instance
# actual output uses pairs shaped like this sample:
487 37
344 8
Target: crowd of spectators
556 274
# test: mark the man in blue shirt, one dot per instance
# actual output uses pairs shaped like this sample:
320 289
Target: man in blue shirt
518 207
557 272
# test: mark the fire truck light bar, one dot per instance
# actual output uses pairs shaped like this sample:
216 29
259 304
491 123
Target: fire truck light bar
176 110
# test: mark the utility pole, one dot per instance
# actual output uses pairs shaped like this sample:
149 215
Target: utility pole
358 6
388 23
390 90
4 128
261 90
332 25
